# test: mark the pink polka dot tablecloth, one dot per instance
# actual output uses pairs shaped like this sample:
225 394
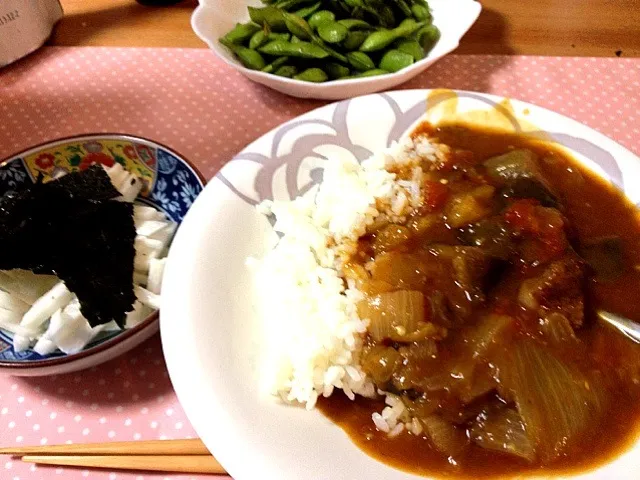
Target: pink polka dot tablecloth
193 103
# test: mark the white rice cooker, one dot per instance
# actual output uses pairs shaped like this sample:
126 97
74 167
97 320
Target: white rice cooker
24 26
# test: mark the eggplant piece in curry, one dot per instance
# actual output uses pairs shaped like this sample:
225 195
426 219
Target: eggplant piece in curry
482 314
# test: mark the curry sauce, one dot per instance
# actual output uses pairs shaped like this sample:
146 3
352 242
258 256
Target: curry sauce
554 227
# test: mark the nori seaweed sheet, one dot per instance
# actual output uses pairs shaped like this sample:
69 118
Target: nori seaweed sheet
72 228
92 184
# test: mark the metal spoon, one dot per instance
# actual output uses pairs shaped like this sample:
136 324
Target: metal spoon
627 327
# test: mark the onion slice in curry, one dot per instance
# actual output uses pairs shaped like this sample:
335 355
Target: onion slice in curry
556 401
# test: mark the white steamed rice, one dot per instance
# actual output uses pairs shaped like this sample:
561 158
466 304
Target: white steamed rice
312 331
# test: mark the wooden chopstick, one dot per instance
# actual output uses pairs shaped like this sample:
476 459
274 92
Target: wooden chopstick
158 463
147 447
178 456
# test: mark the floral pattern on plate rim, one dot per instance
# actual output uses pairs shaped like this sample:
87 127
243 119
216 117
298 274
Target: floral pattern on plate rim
306 146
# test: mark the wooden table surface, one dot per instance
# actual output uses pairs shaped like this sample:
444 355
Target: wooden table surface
540 27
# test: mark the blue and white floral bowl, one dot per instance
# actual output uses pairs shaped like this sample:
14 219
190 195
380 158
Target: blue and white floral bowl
171 184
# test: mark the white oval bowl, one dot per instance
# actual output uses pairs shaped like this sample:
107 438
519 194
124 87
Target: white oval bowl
214 18
209 319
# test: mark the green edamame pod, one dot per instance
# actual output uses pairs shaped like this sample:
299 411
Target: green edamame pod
335 54
395 60
266 28
277 63
270 15
378 40
354 39
279 36
276 48
421 13
378 10
407 28
298 26
249 58
372 73
332 32
336 71
300 49
258 39
385 15
404 7
305 12
360 61
407 21
355 24
410 46
287 5
315 75
339 7
295 39
286 71
321 17
358 13
241 33
427 37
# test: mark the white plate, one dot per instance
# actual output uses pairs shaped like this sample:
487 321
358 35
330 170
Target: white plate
214 18
208 321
